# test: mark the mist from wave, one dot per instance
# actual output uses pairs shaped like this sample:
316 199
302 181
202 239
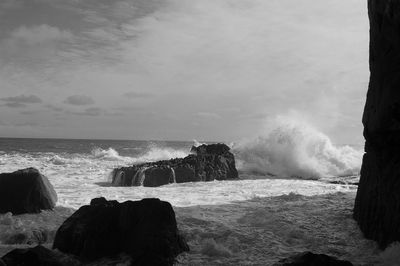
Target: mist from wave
294 149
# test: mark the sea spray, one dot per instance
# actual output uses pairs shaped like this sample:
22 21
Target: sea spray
157 153
290 148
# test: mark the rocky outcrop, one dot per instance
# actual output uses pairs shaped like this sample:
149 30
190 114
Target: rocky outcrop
311 259
146 230
26 191
205 163
377 204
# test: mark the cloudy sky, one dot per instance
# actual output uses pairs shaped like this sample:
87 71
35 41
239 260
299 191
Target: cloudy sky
180 69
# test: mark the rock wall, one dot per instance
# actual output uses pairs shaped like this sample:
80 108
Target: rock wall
377 204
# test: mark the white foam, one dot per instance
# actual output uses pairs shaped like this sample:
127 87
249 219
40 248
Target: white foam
108 154
156 153
263 230
292 148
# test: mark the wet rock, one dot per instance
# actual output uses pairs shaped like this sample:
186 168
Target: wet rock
146 230
311 259
158 176
206 163
37 256
377 204
185 173
26 191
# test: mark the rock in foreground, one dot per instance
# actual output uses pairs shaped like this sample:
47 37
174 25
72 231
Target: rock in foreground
377 204
145 230
26 191
36 256
311 259
206 163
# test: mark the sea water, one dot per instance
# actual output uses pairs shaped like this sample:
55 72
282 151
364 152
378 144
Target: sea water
295 193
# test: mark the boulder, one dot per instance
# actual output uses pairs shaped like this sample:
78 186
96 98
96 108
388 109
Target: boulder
26 191
377 204
205 163
146 230
311 259
36 256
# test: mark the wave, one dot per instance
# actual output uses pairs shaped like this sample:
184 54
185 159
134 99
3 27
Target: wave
295 149
156 153
108 154
153 153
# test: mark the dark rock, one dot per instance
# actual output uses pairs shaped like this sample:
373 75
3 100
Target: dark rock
377 204
37 256
206 163
26 191
311 259
185 173
158 176
146 230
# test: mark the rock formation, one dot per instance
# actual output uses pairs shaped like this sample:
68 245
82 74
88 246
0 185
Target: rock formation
311 259
146 230
377 204
35 256
26 191
206 163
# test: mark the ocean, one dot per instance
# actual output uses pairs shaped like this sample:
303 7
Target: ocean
295 193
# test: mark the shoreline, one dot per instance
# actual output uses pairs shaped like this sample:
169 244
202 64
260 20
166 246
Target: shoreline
261 230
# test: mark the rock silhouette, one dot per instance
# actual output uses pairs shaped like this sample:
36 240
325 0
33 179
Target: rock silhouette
36 256
26 191
377 204
206 163
146 230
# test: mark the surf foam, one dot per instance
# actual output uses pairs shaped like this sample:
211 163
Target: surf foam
292 148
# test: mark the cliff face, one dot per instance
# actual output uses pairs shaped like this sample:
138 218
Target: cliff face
377 205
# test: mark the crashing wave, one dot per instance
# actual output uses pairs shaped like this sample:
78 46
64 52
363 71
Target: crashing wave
296 149
156 153
107 154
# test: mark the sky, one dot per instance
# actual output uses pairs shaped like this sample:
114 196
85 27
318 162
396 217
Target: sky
181 69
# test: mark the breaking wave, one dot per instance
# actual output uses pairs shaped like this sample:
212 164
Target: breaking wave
153 153
107 154
156 153
295 149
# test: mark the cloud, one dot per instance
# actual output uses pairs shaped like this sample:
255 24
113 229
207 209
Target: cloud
37 35
14 105
95 111
79 100
134 95
23 99
8 4
54 108
20 101
207 115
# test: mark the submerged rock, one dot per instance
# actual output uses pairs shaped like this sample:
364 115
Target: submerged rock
26 191
311 259
146 230
206 163
377 204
